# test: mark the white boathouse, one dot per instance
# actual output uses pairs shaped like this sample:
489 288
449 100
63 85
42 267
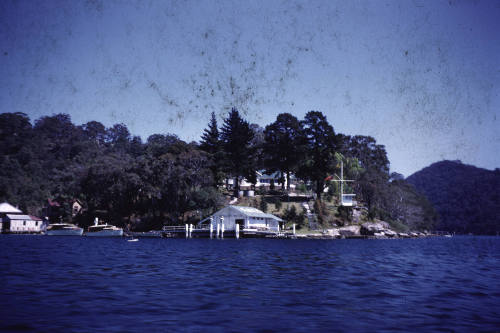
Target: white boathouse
24 223
245 217
6 208
14 220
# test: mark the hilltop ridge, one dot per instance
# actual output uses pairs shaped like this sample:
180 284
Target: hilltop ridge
466 198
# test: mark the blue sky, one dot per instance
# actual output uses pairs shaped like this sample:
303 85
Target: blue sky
422 77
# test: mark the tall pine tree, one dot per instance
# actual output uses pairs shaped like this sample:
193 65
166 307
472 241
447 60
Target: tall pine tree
236 136
321 146
284 146
211 143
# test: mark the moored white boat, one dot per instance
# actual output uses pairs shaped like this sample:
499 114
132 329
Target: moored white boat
103 230
63 229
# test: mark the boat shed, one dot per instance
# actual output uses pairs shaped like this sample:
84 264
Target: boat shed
246 217
23 223
6 208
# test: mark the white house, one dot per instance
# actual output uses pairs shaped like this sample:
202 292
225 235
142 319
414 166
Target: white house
263 181
246 217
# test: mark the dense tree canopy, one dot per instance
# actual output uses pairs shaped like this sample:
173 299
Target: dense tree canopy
236 137
166 180
211 144
321 144
284 145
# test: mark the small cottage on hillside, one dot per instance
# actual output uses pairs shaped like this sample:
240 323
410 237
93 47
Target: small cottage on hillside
246 217
76 207
264 181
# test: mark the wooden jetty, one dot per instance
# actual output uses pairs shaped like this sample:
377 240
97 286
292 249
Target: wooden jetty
190 231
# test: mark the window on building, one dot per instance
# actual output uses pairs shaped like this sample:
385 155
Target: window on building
24 222
36 224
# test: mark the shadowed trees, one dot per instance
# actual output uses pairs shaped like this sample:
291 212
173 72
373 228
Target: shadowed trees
321 144
373 184
236 137
370 154
211 144
113 174
166 180
284 146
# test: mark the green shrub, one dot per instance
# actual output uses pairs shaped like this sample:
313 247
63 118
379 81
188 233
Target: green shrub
263 205
278 204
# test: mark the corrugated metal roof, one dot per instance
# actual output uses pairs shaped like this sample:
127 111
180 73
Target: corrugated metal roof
254 212
18 217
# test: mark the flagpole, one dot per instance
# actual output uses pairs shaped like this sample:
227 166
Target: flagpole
341 180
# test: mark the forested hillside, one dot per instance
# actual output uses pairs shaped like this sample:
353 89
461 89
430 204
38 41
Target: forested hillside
466 198
165 180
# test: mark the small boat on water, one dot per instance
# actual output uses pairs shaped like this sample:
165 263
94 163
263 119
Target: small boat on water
63 229
103 230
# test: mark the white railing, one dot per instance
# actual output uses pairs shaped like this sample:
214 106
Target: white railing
168 228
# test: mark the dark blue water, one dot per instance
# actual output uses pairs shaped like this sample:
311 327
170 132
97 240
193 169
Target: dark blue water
79 284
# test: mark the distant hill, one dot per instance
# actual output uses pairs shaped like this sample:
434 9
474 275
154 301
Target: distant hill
466 198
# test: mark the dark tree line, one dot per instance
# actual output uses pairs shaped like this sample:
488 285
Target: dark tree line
166 180
115 175
311 150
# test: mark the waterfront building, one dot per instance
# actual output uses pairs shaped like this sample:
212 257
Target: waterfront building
246 218
24 223
6 208
14 220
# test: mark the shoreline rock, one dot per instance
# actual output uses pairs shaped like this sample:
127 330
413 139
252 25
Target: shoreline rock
351 230
372 228
355 232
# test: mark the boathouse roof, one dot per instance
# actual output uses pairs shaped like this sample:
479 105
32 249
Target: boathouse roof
243 210
254 212
18 217
6 207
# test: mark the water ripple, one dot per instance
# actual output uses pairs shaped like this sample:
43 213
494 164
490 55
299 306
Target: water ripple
78 284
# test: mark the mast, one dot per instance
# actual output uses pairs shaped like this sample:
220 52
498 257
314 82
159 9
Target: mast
341 181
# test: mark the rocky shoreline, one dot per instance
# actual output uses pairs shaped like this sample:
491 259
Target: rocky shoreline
367 230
